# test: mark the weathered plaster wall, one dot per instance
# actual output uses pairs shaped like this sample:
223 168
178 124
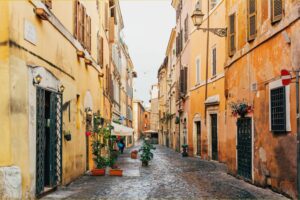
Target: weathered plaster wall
58 56
260 62
215 83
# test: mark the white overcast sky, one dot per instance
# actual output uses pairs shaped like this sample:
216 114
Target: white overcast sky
148 25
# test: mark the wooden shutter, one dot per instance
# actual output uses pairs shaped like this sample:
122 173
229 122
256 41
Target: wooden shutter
277 7
231 34
81 18
76 19
251 19
48 3
88 34
106 16
214 61
182 81
185 79
100 51
111 29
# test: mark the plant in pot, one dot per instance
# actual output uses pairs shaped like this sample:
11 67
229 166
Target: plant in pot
134 154
98 144
113 155
146 154
184 152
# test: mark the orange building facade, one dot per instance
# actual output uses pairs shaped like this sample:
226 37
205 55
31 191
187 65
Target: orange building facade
231 105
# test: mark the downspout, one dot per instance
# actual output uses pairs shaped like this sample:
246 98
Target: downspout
207 54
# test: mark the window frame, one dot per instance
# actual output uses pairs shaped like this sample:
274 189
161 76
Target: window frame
274 85
249 15
198 70
232 50
278 18
213 64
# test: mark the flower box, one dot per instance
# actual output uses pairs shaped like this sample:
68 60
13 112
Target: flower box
116 172
98 172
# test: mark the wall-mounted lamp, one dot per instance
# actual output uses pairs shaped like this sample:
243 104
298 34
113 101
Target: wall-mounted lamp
61 88
37 79
197 18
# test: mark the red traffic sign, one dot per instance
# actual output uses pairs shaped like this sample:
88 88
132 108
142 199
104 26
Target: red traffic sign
285 77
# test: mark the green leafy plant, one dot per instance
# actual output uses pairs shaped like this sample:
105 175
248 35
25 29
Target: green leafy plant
146 154
99 142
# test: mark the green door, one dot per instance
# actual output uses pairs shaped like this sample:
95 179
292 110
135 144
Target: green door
48 139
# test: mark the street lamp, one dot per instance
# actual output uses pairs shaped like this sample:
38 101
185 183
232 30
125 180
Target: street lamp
197 18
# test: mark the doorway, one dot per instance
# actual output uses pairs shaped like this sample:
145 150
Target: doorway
244 147
214 136
48 139
198 137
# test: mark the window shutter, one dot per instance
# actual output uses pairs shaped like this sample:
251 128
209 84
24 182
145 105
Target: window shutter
251 19
185 79
81 22
48 3
231 34
76 19
89 35
100 51
214 61
181 81
111 29
276 10
85 28
106 16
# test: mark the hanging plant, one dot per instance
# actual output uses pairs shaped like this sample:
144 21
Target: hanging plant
241 109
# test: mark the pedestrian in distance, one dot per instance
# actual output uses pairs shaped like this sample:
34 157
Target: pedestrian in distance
121 145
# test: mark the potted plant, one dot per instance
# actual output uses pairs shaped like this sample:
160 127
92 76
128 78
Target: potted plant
146 154
184 152
113 156
67 135
134 154
241 109
98 143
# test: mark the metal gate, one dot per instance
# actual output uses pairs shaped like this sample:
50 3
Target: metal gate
214 136
244 148
54 148
198 129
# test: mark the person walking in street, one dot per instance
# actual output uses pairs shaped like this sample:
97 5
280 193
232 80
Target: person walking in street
121 145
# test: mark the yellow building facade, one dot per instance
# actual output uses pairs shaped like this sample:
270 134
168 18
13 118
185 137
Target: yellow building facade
207 137
54 77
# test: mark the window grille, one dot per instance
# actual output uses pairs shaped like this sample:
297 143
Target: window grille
278 109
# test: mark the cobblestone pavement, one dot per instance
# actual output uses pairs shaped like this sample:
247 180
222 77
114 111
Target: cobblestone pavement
169 176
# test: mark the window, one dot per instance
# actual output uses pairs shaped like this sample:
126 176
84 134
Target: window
100 51
231 35
276 10
48 3
186 28
214 61
179 43
198 72
213 3
183 80
251 20
82 26
278 109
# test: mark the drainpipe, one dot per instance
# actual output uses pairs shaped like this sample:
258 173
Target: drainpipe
207 53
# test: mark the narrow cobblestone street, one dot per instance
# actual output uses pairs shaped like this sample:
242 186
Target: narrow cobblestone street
169 176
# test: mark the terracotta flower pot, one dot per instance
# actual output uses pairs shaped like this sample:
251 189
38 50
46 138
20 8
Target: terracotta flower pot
134 155
116 172
98 172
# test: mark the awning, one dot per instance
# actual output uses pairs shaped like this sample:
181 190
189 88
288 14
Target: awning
213 100
121 130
